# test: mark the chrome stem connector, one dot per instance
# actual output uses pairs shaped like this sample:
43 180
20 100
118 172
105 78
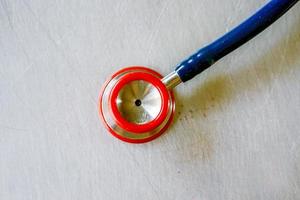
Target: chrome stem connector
171 80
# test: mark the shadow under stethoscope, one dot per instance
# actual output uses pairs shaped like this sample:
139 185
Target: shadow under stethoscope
216 90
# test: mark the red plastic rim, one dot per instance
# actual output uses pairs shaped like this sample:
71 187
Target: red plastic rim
139 128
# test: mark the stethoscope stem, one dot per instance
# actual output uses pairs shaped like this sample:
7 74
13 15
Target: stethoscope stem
171 80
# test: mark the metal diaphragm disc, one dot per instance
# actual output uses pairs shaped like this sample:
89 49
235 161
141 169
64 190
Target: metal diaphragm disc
135 106
139 102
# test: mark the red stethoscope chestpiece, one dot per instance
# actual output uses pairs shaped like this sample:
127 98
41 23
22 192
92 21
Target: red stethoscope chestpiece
135 105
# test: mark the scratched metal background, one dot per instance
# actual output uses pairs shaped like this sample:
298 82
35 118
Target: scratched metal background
237 129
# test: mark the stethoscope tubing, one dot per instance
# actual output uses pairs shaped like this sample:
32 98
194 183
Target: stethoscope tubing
208 55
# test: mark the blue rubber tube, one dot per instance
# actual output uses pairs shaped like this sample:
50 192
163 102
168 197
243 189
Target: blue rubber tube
208 55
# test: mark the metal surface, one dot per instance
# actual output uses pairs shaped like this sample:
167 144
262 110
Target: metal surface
139 102
171 80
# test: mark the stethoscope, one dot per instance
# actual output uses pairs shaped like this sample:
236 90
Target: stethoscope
137 104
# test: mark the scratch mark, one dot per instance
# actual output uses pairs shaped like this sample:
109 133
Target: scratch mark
46 31
4 5
62 53
13 128
145 176
295 144
155 29
7 12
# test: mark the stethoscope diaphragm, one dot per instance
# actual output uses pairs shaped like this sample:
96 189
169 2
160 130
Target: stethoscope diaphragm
135 105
